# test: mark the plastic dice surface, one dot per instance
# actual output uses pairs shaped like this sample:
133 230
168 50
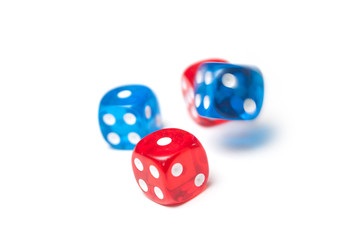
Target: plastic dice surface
127 114
228 91
188 79
170 166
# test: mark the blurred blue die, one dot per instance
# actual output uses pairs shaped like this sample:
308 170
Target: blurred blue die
127 114
228 91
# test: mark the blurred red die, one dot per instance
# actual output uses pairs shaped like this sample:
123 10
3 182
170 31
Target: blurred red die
188 78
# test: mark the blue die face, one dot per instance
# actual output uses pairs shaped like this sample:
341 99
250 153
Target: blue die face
127 114
227 91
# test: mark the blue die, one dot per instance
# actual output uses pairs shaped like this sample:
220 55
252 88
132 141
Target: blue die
127 114
228 91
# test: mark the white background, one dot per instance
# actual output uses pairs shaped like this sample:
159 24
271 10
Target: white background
294 173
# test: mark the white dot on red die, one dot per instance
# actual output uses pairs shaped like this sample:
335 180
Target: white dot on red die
164 141
134 138
148 112
143 185
177 169
184 84
189 96
197 100
109 119
154 171
129 118
113 138
194 112
249 106
199 179
138 164
206 102
124 94
158 192
208 78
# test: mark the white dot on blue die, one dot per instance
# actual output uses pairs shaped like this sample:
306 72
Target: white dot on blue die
249 106
148 112
229 80
206 102
133 138
109 119
208 78
198 100
124 94
113 138
199 77
129 118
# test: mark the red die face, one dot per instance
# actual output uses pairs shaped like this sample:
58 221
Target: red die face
170 166
188 79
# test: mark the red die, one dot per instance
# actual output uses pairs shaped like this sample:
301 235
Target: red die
188 79
170 166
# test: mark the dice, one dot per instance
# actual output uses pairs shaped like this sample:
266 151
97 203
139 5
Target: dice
188 80
127 114
228 91
170 166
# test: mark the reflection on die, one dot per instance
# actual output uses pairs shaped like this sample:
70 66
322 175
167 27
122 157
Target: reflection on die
170 166
127 114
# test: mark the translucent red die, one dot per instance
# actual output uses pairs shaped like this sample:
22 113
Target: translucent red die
188 78
170 166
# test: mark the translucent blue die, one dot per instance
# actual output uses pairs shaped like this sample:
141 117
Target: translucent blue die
127 114
228 91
